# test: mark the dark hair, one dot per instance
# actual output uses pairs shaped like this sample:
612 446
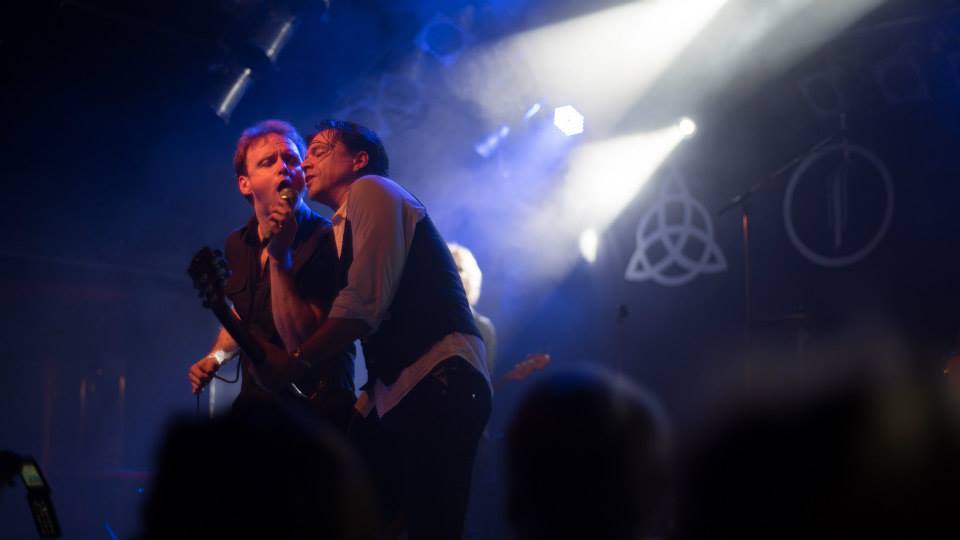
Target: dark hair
615 433
264 471
259 130
359 139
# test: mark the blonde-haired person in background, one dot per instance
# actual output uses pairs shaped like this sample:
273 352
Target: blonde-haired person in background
472 279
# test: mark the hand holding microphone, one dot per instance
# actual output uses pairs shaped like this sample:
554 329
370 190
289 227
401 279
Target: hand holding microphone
283 222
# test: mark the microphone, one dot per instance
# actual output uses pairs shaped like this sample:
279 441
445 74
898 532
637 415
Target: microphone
285 189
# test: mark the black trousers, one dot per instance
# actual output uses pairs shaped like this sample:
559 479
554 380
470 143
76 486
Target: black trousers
421 452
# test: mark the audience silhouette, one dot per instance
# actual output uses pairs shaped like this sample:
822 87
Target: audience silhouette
267 472
588 456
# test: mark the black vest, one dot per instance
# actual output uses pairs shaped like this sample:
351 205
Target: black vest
429 303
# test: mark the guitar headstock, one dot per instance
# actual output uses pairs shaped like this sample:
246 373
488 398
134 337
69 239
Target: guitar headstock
533 362
209 271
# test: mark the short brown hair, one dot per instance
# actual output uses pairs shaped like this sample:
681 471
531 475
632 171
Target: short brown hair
261 129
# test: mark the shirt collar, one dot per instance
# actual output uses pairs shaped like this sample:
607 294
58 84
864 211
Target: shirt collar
250 234
341 214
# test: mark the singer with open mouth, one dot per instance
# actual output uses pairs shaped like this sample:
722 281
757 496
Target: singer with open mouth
302 276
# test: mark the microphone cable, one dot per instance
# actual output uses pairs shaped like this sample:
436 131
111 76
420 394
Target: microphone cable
236 377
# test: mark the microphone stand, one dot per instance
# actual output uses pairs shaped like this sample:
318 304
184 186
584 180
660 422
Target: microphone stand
622 314
742 200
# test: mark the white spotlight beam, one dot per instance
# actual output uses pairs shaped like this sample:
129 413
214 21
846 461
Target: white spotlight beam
602 179
748 43
668 54
603 60
605 177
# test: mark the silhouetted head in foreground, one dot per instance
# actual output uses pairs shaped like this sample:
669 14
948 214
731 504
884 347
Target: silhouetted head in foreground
260 472
587 457
853 461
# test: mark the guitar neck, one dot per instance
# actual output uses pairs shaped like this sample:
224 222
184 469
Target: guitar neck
228 319
502 381
524 369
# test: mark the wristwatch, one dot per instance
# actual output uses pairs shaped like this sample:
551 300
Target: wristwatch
297 357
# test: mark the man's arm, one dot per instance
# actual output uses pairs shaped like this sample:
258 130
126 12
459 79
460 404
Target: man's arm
332 337
295 318
202 371
380 242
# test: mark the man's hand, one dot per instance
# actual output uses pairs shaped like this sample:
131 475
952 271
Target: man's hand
202 373
283 228
364 404
279 368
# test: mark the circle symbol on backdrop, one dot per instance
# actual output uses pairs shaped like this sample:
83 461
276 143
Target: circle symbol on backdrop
844 230
675 240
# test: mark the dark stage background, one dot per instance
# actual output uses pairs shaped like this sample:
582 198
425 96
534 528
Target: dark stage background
115 170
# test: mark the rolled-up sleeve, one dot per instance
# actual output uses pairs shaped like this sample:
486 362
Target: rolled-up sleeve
382 220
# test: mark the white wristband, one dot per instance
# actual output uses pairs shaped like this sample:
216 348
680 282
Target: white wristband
219 356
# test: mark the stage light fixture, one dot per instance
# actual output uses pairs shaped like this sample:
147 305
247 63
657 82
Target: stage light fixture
568 120
280 36
488 146
491 142
231 98
589 242
443 39
534 109
686 127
